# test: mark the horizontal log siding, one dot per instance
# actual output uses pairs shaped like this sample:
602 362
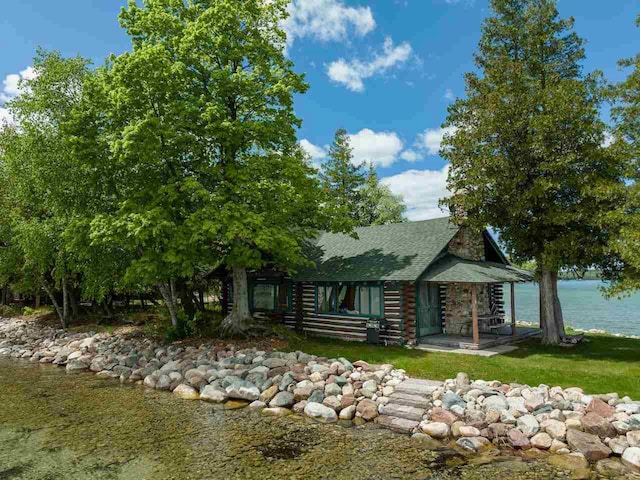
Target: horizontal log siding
348 327
409 312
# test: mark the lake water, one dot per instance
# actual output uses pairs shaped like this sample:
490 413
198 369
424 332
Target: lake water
59 426
583 307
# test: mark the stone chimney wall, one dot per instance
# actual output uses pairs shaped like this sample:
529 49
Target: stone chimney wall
458 318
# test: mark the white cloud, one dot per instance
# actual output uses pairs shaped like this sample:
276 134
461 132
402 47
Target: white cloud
5 117
326 20
381 148
421 190
353 73
11 83
608 140
431 139
315 152
411 155
448 95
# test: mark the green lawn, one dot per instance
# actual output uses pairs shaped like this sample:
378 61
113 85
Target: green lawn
606 364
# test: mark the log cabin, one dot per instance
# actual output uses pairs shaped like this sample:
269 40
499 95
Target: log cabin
427 282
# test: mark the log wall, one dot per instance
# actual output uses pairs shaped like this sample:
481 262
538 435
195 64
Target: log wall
399 310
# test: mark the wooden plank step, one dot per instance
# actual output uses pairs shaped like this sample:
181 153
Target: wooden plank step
398 424
417 401
402 411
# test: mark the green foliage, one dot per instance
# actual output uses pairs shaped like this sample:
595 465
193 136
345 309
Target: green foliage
526 151
342 180
8 311
625 272
377 204
354 195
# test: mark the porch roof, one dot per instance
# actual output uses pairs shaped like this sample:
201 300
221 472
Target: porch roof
452 269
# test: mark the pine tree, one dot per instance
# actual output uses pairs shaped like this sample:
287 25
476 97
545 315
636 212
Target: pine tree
342 180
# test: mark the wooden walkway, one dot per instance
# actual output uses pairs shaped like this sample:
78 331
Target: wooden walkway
408 404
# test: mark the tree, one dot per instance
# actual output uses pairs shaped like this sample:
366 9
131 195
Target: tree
377 204
37 177
526 151
342 180
625 272
201 133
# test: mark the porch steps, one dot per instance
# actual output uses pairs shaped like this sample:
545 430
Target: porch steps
415 386
417 401
402 411
398 424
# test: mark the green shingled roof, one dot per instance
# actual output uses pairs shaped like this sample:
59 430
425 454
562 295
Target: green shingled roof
400 251
455 269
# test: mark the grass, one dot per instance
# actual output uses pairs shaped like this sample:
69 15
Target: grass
603 365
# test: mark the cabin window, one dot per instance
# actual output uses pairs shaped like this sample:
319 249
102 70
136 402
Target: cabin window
270 297
349 299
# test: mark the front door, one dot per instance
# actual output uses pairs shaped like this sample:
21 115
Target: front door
429 322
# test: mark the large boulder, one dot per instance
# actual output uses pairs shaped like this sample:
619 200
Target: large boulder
320 412
528 425
282 399
587 444
437 430
601 408
243 390
631 458
597 425
368 409
186 392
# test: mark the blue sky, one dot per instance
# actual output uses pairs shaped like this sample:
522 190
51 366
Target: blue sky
385 70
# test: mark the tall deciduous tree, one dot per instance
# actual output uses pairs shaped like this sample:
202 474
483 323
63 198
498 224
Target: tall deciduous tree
36 160
201 128
526 153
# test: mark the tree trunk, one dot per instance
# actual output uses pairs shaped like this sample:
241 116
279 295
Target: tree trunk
186 299
550 310
106 303
201 299
240 322
142 302
47 289
65 300
74 298
167 290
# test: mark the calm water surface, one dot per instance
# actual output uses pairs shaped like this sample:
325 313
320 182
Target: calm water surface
59 426
583 307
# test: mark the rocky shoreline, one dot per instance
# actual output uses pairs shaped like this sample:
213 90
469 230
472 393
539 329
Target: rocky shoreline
571 428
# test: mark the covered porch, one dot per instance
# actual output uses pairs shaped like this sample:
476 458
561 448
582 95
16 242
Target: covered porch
460 305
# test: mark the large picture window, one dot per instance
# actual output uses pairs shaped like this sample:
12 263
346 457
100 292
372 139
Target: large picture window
350 299
270 297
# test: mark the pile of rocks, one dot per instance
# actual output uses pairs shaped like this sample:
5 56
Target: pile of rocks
325 389
571 426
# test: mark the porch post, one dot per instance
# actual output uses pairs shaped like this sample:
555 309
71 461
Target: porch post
513 310
474 314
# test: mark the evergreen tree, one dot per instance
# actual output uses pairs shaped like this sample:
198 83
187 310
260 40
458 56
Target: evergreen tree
342 180
377 204
526 153
625 272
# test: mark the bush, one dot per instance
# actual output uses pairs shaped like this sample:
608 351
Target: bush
8 311
27 311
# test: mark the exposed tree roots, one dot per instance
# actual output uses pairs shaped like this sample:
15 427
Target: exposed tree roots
237 325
